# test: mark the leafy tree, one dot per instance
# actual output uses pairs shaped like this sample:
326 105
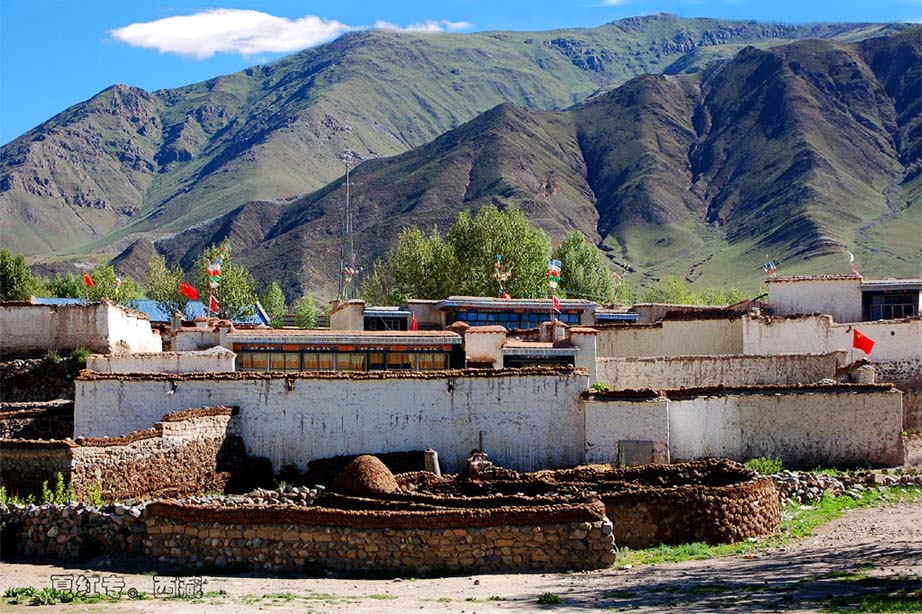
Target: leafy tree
379 286
236 298
583 273
15 277
104 286
676 291
306 312
163 286
66 286
422 264
476 240
273 301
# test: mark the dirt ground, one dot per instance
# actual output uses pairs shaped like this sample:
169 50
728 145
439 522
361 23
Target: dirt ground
867 551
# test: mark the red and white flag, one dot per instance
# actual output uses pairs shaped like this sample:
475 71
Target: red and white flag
556 304
213 305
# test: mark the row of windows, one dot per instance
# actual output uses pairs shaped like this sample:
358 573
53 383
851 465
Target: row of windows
509 319
891 312
341 361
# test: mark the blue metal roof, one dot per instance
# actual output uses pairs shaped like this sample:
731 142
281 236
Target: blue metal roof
616 317
155 313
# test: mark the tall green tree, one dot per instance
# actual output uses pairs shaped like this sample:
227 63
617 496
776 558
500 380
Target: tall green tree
676 291
583 273
306 312
274 303
379 286
235 294
67 285
15 277
163 286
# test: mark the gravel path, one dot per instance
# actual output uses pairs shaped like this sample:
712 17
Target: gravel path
866 551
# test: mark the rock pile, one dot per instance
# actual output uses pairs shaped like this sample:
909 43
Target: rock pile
808 487
288 495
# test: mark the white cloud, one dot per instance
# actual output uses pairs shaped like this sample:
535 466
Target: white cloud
429 25
249 33
613 2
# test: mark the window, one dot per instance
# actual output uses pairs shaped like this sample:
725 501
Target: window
432 362
376 361
401 361
254 361
350 362
318 361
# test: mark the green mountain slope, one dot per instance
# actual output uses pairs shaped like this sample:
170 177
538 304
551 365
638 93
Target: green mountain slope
792 153
129 164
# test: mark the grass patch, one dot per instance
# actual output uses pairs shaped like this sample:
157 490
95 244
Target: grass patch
796 522
764 465
709 589
899 601
549 599
444 599
617 595
381 597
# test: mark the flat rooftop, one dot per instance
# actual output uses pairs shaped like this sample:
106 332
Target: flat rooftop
529 304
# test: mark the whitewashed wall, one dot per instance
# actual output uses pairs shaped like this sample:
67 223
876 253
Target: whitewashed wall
895 340
664 373
805 428
840 298
671 338
609 422
101 327
526 422
214 360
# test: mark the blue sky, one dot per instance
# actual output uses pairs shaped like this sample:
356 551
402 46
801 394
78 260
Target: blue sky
55 53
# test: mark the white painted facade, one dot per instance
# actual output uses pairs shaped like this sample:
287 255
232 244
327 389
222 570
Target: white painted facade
610 422
671 338
215 360
667 373
805 428
525 422
100 327
837 296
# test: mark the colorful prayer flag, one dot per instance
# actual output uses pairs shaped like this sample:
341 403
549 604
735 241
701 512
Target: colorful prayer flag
118 284
213 304
556 304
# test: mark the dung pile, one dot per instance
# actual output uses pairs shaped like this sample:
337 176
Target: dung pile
365 476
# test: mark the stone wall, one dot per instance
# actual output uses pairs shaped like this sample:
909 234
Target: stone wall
836 295
40 420
186 453
648 516
531 418
552 538
557 537
38 379
100 327
214 360
664 373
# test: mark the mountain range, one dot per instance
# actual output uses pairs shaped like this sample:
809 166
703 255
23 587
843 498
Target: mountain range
690 147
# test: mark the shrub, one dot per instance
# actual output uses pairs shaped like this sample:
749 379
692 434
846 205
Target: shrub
600 387
80 355
549 598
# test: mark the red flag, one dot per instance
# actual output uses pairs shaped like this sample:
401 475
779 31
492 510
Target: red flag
86 279
414 323
865 344
187 290
213 305
556 304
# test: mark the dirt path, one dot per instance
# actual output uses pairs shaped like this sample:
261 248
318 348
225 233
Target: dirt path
867 550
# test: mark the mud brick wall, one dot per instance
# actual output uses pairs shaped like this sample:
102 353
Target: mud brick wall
26 463
907 376
551 538
37 379
647 516
42 420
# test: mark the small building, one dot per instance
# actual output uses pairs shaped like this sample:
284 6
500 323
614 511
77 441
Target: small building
847 298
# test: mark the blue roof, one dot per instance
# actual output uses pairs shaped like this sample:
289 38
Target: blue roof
155 313
616 317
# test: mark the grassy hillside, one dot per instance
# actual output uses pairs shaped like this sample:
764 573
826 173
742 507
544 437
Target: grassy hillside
792 153
130 164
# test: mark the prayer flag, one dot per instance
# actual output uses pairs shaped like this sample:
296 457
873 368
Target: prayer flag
213 304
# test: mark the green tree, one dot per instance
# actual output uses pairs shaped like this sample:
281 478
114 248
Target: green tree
273 301
66 286
476 240
379 286
583 273
306 312
104 286
676 291
15 277
163 286
422 265
235 294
